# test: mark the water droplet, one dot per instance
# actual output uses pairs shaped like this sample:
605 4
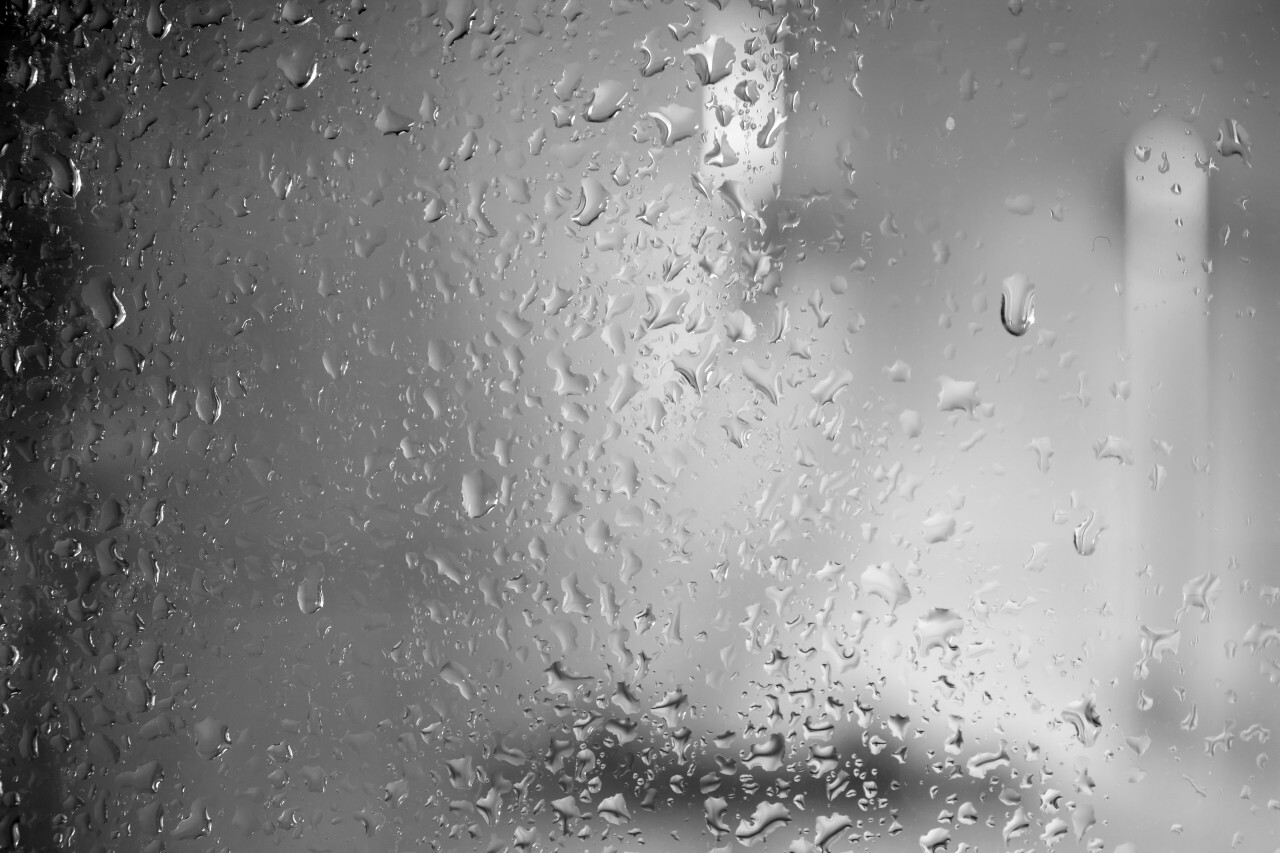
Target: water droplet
956 395
456 675
676 123
1233 140
766 818
196 824
937 629
987 762
938 839
939 527
1114 447
1200 592
592 198
100 297
212 737
614 810
606 100
1018 304
311 595
299 66
721 152
1082 715
293 12
899 371
625 387
157 24
1085 537
566 809
712 60
736 195
480 493
208 403
390 122
911 423
1043 448
63 173
1021 204
1156 643
886 583
770 130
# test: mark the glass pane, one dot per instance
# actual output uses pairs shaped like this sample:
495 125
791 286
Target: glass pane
514 426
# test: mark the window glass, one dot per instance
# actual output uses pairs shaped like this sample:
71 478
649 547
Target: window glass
628 424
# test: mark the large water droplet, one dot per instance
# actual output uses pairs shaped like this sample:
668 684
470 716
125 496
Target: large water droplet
937 630
613 810
607 100
766 818
676 122
937 839
955 395
1082 715
310 595
712 60
1018 304
211 737
1233 140
390 122
592 199
157 24
885 582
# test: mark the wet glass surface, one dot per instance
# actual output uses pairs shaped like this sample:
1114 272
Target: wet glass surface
514 426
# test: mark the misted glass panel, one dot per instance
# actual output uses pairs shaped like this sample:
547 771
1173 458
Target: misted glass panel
612 425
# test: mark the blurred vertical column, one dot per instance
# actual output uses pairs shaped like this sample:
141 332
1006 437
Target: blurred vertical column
744 106
1166 227
738 167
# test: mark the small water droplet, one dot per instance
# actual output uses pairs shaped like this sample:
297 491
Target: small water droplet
1021 204
1085 537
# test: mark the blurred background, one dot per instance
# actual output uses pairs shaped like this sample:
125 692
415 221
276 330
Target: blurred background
478 425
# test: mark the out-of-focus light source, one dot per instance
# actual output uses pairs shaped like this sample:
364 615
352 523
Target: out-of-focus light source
743 157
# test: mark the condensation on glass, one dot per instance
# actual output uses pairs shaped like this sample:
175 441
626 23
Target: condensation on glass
585 425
